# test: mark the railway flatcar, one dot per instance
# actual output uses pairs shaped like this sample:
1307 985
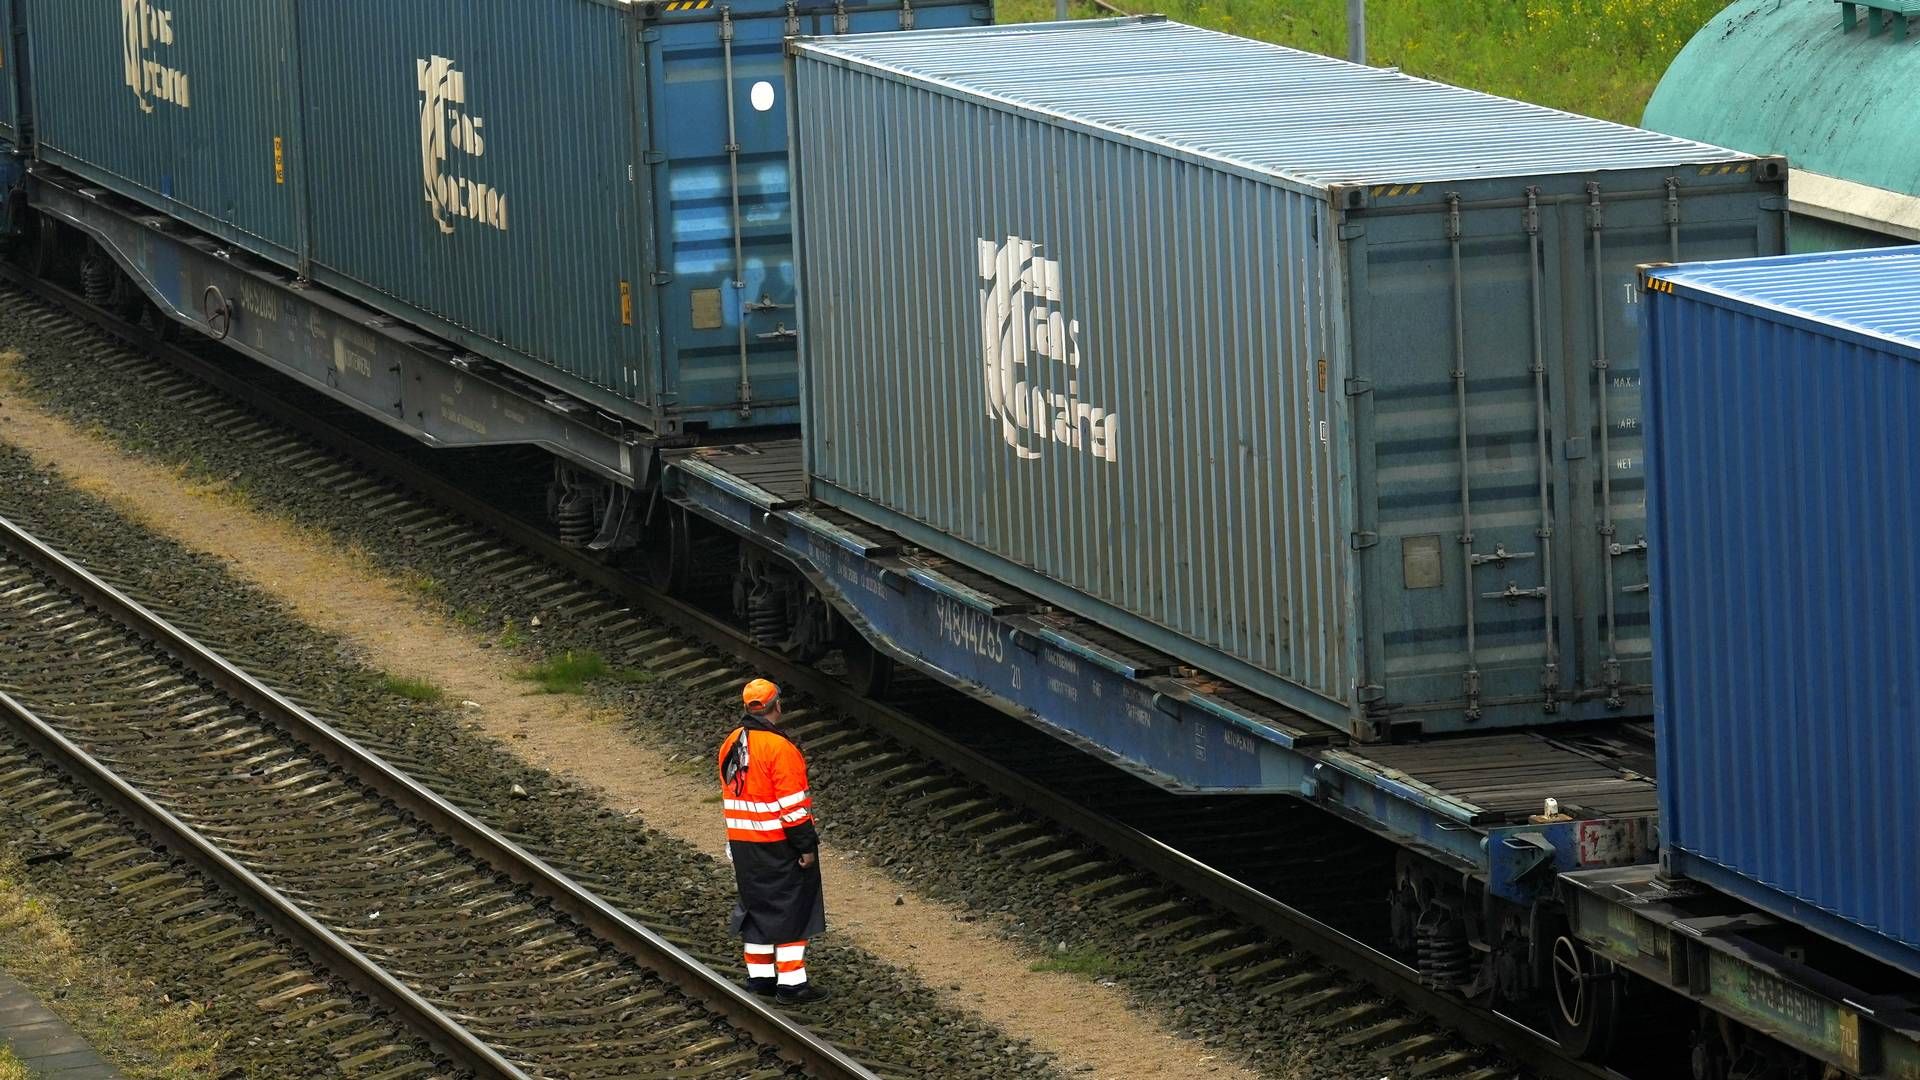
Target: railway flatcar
1143 317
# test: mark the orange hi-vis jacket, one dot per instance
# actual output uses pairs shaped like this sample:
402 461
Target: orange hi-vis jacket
773 798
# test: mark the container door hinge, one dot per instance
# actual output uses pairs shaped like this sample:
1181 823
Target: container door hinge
1351 230
1357 387
660 277
650 35
1611 679
654 157
1362 540
1774 203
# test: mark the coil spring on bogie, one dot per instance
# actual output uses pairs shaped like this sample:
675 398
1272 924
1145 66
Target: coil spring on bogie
1444 956
767 618
96 280
575 520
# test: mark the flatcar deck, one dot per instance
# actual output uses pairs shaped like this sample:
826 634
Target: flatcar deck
1508 777
1476 801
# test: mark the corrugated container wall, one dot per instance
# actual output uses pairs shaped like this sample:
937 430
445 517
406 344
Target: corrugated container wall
189 107
1784 402
548 186
1286 367
11 71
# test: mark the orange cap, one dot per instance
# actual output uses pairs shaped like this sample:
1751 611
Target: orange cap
759 696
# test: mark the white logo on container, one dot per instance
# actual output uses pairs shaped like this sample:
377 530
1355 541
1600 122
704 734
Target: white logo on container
446 126
143 29
1024 332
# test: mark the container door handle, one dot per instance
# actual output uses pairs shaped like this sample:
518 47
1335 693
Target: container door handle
1513 593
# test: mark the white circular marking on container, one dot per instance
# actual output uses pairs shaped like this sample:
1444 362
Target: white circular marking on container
761 95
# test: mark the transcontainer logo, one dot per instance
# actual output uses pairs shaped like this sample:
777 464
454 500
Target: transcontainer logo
146 34
446 126
1030 348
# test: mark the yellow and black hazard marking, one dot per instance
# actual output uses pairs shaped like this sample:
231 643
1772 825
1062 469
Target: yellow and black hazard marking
686 5
1391 191
1726 170
1654 284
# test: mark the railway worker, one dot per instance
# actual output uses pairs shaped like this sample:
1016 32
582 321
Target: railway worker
774 849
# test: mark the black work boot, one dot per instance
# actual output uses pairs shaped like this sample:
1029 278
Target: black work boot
804 994
762 987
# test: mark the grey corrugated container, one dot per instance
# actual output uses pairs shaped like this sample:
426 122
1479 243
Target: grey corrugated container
10 73
187 106
537 225
1785 473
546 185
1232 264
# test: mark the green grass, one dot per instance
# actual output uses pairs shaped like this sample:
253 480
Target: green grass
570 672
1599 57
567 673
1085 962
511 636
413 689
123 1016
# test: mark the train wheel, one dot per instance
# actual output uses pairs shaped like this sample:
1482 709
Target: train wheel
44 253
669 553
869 671
1583 998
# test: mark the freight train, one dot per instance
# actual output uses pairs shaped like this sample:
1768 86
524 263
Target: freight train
1255 421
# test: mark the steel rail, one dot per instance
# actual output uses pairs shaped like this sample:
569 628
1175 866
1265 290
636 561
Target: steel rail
658 955
324 946
1525 1044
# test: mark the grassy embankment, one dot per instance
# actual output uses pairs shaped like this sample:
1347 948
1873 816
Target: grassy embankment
1599 57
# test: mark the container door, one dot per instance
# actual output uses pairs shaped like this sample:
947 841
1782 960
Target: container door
1500 481
725 279
1452 308
1604 229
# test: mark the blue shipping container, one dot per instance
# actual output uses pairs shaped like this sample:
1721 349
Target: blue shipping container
592 193
1784 468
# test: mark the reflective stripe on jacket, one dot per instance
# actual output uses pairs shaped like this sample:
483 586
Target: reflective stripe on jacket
772 798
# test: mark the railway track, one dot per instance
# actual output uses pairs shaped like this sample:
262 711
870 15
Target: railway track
505 966
1116 864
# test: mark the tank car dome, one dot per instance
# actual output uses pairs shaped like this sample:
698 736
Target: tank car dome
1830 86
